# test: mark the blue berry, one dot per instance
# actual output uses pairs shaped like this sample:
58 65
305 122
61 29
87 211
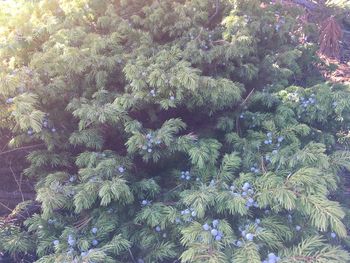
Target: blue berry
177 220
149 150
206 227
83 254
172 98
244 193
188 177
121 169
94 242
158 228
214 232
56 242
71 240
53 130
9 100
30 132
94 230
298 228
194 213
218 238
232 187
241 116
249 237
239 244
144 202
269 134
215 222
266 142
258 221
333 235
274 152
246 186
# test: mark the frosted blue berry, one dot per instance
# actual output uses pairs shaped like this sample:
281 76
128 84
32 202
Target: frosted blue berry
218 238
183 176
214 232
194 213
239 244
298 228
144 202
244 193
71 242
269 134
94 242
241 116
140 260
215 223
148 136
206 227
246 185
252 169
149 150
56 242
274 152
53 130
172 98
188 177
158 228
30 132
249 237
83 254
9 100
250 201
94 230
232 187
177 220
158 142
258 221
333 235
266 142
121 169
271 256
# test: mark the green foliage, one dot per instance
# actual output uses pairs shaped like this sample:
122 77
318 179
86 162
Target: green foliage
192 131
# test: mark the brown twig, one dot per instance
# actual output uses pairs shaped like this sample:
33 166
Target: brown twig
19 184
22 148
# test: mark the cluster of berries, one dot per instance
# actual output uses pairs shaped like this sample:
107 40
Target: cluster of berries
254 169
249 236
269 139
306 102
246 192
150 142
185 175
213 229
188 215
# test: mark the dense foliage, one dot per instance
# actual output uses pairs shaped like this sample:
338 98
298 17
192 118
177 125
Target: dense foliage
192 131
